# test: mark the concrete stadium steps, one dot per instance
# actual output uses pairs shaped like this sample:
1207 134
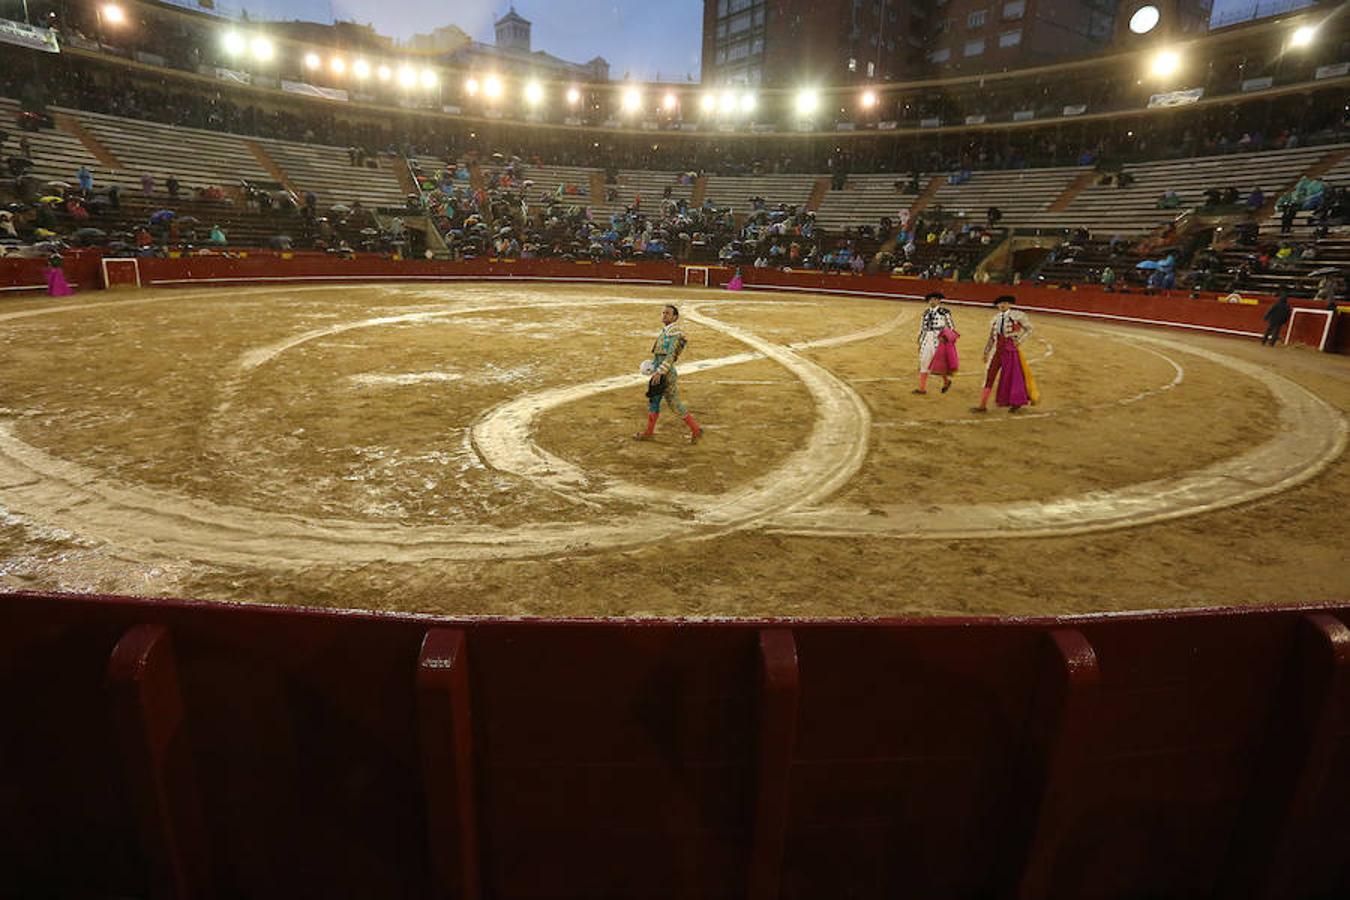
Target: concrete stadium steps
1021 194
242 228
1132 210
197 158
863 200
328 172
736 190
631 184
57 156
547 179
1332 251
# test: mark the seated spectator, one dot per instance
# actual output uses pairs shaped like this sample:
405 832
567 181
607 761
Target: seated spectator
217 235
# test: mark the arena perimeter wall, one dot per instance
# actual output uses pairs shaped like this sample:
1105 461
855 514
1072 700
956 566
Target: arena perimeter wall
182 749
1172 309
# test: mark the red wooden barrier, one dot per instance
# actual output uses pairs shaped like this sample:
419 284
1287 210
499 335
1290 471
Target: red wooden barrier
1174 309
344 754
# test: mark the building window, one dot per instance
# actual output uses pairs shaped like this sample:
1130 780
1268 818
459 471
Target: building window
1014 10
871 70
939 56
852 64
975 47
976 19
1010 38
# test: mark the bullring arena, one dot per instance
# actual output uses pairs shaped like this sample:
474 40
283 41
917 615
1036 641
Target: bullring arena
465 448
342 555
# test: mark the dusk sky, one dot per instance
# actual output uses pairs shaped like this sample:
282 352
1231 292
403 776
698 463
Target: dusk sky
638 37
635 36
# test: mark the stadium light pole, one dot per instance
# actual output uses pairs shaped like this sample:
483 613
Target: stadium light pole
110 11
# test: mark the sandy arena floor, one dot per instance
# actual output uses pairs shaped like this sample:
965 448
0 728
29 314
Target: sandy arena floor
467 449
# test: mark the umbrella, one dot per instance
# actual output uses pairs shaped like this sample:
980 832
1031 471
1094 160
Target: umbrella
189 220
89 235
16 207
59 185
1325 270
49 199
340 208
369 231
161 215
1149 264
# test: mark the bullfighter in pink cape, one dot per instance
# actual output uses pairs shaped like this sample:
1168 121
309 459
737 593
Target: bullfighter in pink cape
57 286
936 321
1007 365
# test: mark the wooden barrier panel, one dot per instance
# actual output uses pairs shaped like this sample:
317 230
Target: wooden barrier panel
1174 309
275 752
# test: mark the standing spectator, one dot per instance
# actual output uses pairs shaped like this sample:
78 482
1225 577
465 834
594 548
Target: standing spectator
148 184
994 215
171 185
217 235
1109 278
86 180
1287 218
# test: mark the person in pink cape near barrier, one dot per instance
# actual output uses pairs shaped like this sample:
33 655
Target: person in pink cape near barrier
57 286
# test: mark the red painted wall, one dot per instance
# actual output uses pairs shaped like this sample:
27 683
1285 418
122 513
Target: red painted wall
1174 309
238 750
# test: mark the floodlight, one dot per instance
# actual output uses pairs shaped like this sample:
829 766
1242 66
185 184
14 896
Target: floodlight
234 43
384 73
263 50
407 76
1303 36
747 102
338 65
534 93
361 69
709 102
471 87
492 87
632 99
429 79
869 99
1145 19
1165 63
727 102
669 102
807 102
573 96
113 14
312 61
